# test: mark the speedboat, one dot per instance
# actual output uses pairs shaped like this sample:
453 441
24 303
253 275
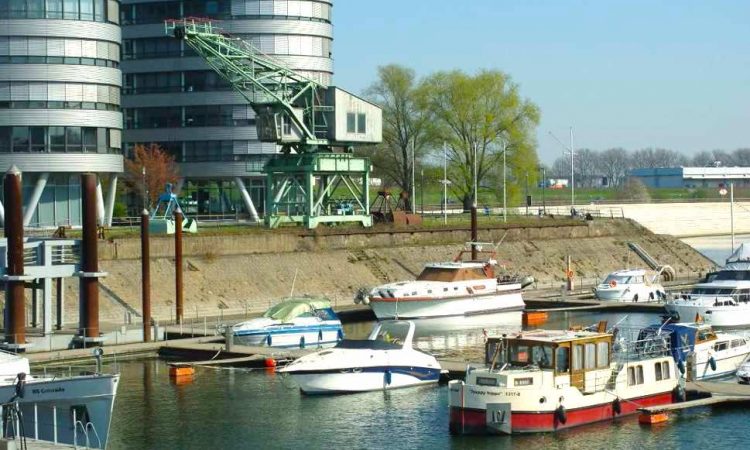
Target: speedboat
722 299
699 351
294 322
72 410
454 288
632 285
550 380
384 361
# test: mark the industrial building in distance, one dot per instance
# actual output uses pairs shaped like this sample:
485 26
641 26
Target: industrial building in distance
60 113
692 177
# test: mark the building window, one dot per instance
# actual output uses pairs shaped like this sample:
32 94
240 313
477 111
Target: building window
57 139
89 10
361 123
351 120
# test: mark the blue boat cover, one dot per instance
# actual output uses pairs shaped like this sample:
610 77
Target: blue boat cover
682 338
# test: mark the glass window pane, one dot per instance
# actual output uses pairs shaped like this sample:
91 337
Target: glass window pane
20 139
577 357
639 375
57 139
5 133
36 9
37 135
99 10
87 9
590 356
350 122
18 9
562 359
54 9
361 124
602 356
73 139
657 371
89 139
71 9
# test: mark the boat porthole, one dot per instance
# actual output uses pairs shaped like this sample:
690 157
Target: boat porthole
543 400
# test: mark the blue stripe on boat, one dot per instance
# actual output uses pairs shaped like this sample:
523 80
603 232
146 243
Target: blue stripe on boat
308 329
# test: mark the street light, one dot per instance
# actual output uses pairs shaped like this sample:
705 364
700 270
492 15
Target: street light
505 196
445 183
476 149
544 187
413 181
572 171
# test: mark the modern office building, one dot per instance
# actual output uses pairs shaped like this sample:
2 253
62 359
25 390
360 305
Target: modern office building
172 98
60 111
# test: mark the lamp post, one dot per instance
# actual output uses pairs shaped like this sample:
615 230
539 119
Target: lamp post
505 192
421 189
413 182
475 174
572 168
145 191
445 183
526 200
544 187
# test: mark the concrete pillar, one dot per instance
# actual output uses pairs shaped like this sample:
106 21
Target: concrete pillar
178 264
41 183
247 199
47 306
145 277
111 195
2 214
99 202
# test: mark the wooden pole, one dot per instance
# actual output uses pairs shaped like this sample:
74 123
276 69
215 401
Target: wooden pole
89 313
145 277
15 328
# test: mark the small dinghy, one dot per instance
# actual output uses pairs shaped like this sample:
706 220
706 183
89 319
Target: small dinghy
385 360
295 322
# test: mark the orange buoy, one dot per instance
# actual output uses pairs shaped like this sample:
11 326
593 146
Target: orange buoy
534 317
270 362
181 370
647 418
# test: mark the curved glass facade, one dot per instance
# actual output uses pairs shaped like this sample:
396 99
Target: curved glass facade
60 99
171 97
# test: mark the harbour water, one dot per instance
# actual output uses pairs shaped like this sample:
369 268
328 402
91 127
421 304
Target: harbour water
230 409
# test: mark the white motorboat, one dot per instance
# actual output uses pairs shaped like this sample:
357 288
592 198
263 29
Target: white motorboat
384 361
699 351
722 299
549 380
632 285
294 322
454 288
72 410
743 373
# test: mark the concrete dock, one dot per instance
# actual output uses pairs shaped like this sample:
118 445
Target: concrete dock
706 393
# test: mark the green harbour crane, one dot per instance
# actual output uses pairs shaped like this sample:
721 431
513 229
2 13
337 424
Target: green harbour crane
315 179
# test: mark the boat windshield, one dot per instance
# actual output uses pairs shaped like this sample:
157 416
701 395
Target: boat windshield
393 333
737 275
624 279
530 353
448 274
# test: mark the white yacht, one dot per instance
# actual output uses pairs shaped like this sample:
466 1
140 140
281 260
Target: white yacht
72 410
699 351
454 288
631 285
384 361
722 299
294 322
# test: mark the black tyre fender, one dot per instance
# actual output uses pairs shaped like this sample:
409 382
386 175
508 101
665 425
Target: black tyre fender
561 414
679 394
616 406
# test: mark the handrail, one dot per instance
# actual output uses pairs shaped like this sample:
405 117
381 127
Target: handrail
93 428
75 434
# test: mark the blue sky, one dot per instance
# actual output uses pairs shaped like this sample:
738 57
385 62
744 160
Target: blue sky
623 73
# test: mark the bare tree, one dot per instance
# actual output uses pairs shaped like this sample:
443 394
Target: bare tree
587 168
703 159
659 157
615 164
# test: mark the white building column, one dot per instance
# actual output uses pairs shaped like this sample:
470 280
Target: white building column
2 213
111 195
247 198
99 202
41 183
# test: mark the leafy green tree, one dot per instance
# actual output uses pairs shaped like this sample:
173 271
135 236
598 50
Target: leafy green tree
476 115
404 125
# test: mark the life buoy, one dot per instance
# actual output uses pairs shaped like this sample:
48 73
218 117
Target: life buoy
561 414
616 406
612 283
569 274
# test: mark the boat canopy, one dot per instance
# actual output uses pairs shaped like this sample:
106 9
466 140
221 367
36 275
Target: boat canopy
295 307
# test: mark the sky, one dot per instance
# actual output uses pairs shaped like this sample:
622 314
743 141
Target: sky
623 73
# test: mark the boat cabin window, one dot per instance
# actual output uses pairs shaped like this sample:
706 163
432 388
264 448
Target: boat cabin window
738 343
325 314
719 346
661 370
635 375
739 275
527 353
446 274
578 357
602 355
638 279
590 360
562 359
486 381
704 335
